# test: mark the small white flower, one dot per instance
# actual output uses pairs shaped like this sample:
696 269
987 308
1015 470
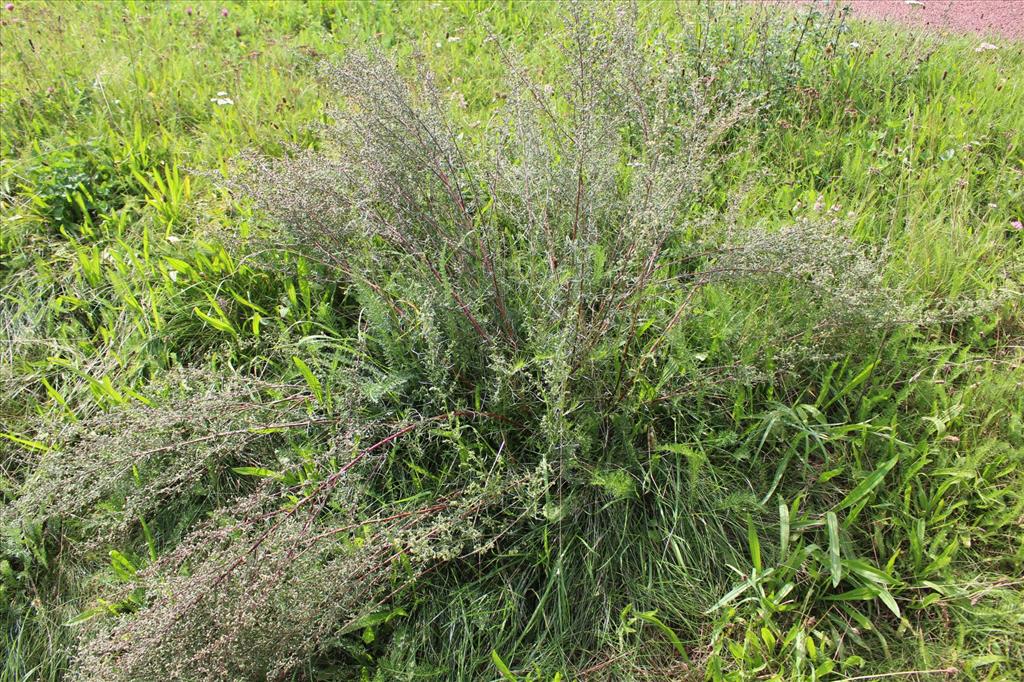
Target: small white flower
222 101
854 45
985 47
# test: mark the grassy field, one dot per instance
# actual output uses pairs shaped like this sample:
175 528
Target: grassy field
328 418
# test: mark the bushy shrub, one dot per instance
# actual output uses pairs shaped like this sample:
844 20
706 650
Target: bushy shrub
524 450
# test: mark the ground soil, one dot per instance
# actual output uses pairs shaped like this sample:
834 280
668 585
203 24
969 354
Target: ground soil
990 18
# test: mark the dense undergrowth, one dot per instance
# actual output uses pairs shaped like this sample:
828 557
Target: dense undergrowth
467 341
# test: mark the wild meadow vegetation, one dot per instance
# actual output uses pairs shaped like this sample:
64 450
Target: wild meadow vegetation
494 341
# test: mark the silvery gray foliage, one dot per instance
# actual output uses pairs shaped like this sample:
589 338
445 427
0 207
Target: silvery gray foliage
152 450
264 588
844 280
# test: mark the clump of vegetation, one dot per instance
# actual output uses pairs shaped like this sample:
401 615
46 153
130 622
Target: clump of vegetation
580 392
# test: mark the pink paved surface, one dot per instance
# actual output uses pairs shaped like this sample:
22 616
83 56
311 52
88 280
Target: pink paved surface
1004 18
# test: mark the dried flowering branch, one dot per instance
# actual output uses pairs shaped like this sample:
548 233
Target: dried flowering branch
150 454
322 491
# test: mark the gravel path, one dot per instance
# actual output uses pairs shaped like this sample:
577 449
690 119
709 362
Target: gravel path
1004 18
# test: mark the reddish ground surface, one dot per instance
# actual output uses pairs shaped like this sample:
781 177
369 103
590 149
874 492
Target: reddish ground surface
1004 18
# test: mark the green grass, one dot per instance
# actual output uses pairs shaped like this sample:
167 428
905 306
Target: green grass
859 516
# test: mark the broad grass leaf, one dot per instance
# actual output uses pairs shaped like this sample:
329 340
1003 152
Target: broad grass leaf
754 543
834 561
858 496
506 673
258 472
311 380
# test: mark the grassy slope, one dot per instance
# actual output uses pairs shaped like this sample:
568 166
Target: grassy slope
98 301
